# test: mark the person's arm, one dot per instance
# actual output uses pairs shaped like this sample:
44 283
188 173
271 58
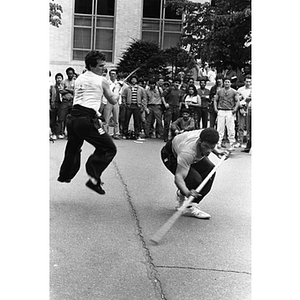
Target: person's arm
191 125
109 95
216 102
175 126
237 104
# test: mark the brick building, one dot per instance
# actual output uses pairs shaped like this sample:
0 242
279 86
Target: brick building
109 26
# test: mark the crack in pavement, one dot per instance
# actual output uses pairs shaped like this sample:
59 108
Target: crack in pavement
151 268
203 269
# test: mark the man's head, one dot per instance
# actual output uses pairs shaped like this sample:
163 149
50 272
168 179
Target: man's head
207 141
202 83
70 73
185 114
133 79
219 79
59 78
152 84
113 75
95 62
177 83
248 81
227 82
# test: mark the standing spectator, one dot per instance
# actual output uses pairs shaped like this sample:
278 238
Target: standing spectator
122 107
248 123
211 74
203 71
143 84
226 105
154 101
185 123
55 102
134 99
183 86
173 97
245 94
67 93
83 125
113 110
203 112
212 93
192 102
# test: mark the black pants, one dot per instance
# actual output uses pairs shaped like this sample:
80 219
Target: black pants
196 174
83 126
134 110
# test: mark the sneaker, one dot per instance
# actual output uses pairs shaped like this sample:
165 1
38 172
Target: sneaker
140 139
194 211
180 199
117 137
95 187
53 137
231 148
237 145
61 136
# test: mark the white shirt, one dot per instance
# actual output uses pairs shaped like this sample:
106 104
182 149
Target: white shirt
88 90
244 93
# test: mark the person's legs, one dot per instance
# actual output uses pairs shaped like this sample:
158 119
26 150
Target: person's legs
167 121
115 113
221 125
71 163
128 113
107 111
230 127
212 119
149 118
196 175
158 117
241 127
137 120
204 117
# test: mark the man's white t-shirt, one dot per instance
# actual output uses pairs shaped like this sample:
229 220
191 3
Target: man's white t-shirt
184 148
88 90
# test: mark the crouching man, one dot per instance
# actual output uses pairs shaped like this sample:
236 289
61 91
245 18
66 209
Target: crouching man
186 156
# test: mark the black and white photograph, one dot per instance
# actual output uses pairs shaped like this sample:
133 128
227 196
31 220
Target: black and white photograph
159 178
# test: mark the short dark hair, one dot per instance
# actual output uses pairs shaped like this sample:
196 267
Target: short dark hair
209 135
92 57
185 110
248 77
152 81
70 69
59 74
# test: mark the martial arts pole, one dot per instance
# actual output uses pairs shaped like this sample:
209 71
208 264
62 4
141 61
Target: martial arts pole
156 238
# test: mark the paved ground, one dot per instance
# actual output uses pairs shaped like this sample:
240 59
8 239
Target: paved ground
99 245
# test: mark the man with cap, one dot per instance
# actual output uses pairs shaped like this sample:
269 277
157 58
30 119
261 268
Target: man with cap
186 157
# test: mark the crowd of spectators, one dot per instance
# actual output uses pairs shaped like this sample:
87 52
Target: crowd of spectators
164 107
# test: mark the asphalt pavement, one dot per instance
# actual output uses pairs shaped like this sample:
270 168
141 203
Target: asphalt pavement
100 244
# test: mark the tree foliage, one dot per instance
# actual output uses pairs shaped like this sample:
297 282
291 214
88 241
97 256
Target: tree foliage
55 11
219 32
152 61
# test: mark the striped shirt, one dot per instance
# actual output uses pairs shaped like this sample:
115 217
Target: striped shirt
134 95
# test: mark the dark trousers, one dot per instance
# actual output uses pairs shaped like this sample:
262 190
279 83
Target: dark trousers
196 174
85 128
170 115
203 115
54 125
212 119
122 113
64 110
134 110
155 113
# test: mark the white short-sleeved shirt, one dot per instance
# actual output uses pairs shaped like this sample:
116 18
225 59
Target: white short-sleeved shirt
184 148
88 90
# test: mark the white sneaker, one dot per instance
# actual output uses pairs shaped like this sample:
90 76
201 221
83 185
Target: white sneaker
180 199
194 211
140 139
53 137
61 136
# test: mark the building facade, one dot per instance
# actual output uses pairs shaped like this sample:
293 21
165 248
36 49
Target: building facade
109 26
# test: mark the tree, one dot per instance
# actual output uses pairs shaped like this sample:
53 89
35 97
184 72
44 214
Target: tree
217 33
55 11
144 55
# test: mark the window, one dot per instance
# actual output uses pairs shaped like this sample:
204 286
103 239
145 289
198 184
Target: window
161 24
93 27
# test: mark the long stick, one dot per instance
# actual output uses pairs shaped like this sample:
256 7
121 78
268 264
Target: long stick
156 238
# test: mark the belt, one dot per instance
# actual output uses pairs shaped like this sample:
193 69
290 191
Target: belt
224 109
